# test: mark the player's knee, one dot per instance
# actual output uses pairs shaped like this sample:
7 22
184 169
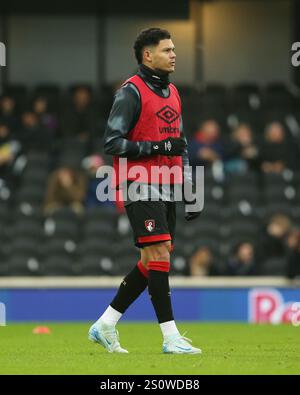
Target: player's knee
162 257
165 249
160 252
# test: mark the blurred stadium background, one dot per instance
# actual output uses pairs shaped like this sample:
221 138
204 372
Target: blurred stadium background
62 253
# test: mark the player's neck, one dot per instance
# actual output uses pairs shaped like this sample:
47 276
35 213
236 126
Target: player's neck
155 77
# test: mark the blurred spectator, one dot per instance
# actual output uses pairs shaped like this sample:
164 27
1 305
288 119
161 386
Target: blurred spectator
40 107
202 263
66 187
9 149
243 261
293 262
206 146
32 135
242 151
274 239
276 153
79 120
8 113
91 164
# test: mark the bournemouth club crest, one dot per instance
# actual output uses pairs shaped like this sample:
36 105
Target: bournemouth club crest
150 225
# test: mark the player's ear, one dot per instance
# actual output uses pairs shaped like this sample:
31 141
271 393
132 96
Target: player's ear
147 54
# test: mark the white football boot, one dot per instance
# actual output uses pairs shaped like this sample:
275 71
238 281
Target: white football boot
178 344
107 336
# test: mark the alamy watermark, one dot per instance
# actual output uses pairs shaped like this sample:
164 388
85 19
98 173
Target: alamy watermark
296 56
2 54
154 183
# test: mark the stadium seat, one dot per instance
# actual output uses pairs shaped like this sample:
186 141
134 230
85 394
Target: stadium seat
273 267
211 211
71 89
62 228
278 96
249 117
278 208
213 193
37 160
51 91
96 246
275 179
239 211
214 96
35 175
101 214
296 178
27 226
99 229
249 178
25 244
207 228
187 232
179 266
237 193
184 249
122 264
93 265
245 96
23 265
57 265
242 227
4 212
32 194
4 254
64 214
279 193
18 91
59 246
26 212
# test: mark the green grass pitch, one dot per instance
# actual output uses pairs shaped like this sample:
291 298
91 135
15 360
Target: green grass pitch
227 349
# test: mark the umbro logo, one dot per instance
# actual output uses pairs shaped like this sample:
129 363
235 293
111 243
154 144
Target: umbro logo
167 114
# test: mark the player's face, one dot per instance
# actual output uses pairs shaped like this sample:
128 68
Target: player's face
162 56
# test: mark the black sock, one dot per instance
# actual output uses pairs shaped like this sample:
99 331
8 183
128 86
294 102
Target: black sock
159 291
130 289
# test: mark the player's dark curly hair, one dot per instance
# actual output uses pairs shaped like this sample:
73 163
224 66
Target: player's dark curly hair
150 36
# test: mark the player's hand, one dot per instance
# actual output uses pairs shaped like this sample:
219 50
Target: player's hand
192 206
169 147
190 216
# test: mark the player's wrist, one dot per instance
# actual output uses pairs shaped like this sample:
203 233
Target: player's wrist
145 148
170 147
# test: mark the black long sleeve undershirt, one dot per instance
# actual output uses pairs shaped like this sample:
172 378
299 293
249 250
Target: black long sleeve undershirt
122 118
